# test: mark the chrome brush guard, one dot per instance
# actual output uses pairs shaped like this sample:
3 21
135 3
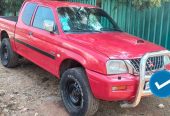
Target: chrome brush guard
143 78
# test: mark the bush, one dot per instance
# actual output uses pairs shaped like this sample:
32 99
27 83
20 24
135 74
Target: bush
141 4
10 6
2 7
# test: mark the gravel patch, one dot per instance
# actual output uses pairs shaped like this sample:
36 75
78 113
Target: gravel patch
28 90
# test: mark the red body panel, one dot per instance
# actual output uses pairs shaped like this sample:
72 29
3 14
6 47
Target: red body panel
9 27
115 45
91 50
101 86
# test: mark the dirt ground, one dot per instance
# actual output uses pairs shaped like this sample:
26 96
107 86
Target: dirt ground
30 91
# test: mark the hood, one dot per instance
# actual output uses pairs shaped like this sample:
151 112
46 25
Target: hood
115 45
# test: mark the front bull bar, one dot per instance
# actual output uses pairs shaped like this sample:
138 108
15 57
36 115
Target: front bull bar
141 92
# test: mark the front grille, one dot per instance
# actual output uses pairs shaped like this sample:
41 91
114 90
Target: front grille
153 63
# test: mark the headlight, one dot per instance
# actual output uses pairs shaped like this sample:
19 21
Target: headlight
166 60
116 67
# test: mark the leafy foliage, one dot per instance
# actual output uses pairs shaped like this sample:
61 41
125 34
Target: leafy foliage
141 4
13 6
10 6
2 6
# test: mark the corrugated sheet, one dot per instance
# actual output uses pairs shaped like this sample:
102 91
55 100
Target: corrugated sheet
150 24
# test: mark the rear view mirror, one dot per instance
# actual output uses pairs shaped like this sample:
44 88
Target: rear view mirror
49 25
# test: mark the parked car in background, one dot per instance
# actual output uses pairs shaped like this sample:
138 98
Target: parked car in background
83 47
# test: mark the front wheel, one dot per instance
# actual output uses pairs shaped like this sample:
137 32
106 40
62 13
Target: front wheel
76 93
9 58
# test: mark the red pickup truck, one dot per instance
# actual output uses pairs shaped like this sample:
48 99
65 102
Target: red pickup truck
82 46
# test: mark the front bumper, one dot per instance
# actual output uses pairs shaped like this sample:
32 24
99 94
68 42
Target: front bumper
101 85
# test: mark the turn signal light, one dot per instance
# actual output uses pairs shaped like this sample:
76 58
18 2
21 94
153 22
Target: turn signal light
117 88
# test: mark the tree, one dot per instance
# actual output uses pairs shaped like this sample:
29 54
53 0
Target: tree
10 6
13 6
141 4
2 7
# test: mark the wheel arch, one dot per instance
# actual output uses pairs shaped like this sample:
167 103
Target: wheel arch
4 34
67 64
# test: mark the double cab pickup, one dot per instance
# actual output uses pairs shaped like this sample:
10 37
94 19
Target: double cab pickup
83 47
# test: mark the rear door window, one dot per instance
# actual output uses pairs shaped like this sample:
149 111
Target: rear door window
28 13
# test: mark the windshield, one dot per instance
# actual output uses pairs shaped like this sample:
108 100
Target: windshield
80 19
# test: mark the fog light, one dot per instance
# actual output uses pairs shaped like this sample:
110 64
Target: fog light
116 88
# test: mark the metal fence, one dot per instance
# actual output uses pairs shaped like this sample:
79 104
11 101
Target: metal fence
152 24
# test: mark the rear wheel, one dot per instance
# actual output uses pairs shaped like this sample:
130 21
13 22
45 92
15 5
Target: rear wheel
9 58
76 93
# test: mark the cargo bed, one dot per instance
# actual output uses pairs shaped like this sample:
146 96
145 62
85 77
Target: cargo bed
11 18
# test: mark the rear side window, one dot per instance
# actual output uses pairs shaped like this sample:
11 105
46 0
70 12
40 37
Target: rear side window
28 12
42 14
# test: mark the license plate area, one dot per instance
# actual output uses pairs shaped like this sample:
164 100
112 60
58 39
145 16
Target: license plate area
147 87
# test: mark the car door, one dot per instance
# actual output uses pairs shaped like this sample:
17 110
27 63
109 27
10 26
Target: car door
22 35
43 46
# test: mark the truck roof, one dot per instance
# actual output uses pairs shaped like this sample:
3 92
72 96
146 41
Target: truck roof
55 3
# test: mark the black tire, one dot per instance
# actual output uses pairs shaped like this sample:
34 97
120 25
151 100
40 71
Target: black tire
76 93
9 58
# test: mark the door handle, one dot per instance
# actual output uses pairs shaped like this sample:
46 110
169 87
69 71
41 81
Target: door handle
30 33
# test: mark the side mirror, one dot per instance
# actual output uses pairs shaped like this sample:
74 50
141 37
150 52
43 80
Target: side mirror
49 25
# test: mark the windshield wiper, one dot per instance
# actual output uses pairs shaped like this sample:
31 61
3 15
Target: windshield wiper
86 30
111 29
83 30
